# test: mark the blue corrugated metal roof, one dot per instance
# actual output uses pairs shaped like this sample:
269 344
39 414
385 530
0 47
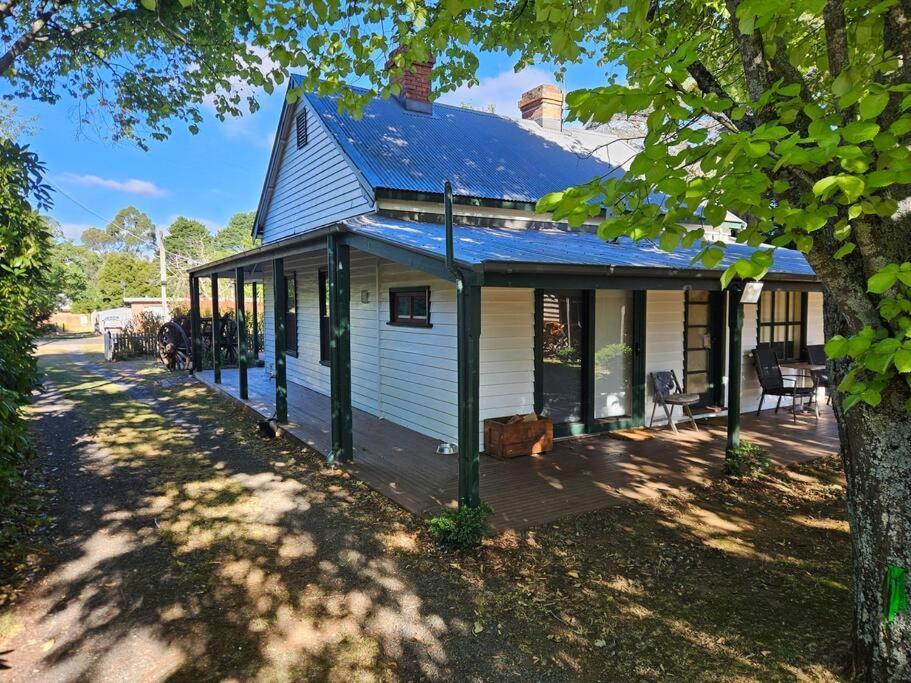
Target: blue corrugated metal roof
482 154
475 245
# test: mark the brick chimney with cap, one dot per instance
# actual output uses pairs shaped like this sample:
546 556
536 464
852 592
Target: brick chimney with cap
544 106
414 83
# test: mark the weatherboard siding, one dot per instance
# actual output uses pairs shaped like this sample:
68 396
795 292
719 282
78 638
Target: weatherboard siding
315 185
407 375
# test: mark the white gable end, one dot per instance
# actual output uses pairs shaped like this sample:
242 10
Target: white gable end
314 185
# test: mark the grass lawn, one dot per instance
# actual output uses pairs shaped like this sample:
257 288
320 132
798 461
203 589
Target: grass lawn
255 561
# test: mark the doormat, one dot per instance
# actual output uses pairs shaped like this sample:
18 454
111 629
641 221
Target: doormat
638 434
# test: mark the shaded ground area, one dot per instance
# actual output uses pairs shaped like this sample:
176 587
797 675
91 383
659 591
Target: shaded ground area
184 547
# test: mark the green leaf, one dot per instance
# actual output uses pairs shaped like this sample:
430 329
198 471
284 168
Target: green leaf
757 148
850 401
842 84
871 397
902 360
715 214
148 4
860 131
873 104
882 280
836 347
844 250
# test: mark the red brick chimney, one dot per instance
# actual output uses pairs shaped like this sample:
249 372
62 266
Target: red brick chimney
414 83
544 106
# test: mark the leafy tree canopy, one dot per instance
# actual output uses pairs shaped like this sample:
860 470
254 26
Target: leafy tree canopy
139 66
124 274
74 269
131 230
187 237
26 298
237 234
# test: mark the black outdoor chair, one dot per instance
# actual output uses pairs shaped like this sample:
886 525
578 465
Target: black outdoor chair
816 355
668 394
773 382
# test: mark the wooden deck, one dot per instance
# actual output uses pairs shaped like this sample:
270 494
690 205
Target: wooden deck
579 475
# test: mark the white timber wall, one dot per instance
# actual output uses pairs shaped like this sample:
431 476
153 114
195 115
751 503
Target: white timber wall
664 346
507 352
407 375
315 185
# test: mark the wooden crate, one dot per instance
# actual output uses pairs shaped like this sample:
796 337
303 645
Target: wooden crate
505 439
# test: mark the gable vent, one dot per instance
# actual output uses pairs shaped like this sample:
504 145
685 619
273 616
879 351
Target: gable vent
301 129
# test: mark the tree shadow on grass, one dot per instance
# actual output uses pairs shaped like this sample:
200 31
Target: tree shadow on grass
191 549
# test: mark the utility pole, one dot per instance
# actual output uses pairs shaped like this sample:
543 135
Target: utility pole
162 271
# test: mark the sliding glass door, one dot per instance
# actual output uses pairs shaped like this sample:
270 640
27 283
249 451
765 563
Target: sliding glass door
589 360
613 359
563 333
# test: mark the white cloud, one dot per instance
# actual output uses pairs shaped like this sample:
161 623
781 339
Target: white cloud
502 91
145 188
72 231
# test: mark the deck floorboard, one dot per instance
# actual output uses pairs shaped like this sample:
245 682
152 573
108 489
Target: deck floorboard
578 476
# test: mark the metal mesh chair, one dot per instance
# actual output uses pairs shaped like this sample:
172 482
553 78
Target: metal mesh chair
668 393
816 355
773 383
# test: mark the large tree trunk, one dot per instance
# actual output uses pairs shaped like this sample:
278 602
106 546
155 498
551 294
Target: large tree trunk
876 448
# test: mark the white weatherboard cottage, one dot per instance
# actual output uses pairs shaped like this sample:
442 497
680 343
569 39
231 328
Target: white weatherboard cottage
529 316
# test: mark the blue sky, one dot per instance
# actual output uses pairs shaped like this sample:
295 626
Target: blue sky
216 173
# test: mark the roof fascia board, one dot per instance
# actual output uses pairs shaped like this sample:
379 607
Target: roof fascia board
275 159
437 198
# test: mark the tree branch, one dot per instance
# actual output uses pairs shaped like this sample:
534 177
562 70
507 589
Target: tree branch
34 32
833 16
752 55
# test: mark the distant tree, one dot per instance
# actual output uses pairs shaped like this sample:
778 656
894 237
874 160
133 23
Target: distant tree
97 240
131 230
187 237
236 235
187 244
13 125
74 270
124 274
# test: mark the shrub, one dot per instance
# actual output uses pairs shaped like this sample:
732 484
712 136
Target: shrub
747 460
462 528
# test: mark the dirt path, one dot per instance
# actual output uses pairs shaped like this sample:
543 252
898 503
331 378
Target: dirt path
182 553
186 547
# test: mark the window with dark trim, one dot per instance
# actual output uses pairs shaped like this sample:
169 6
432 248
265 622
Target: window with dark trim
323 317
782 322
409 306
301 123
291 313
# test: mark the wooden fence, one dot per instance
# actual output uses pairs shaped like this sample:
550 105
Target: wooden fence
124 345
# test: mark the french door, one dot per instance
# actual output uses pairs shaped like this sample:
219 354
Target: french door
703 346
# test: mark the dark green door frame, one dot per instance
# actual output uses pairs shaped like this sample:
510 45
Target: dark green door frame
279 305
339 272
735 363
241 315
195 325
216 332
468 312
589 424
